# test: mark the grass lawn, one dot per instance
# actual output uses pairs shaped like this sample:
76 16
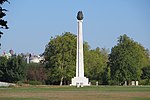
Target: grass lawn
73 93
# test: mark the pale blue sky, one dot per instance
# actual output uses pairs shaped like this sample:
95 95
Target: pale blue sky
33 22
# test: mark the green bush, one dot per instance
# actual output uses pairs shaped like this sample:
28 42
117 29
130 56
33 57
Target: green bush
144 82
35 83
93 82
113 82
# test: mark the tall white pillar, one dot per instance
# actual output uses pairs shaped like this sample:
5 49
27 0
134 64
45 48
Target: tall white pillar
80 59
80 80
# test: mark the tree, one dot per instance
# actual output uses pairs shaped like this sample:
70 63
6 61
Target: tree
36 72
13 69
3 23
146 72
145 75
3 65
60 57
126 60
95 63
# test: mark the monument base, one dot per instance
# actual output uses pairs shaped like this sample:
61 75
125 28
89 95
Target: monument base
80 81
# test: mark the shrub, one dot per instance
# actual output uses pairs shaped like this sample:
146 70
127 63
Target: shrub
93 82
36 72
35 83
113 82
144 82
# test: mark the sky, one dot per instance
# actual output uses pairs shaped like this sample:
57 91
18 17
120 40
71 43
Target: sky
32 22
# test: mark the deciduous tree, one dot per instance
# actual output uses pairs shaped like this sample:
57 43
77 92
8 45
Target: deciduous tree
95 63
126 60
36 72
60 54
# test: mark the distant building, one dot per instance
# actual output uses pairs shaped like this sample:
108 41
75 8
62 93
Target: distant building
9 54
33 58
36 59
29 58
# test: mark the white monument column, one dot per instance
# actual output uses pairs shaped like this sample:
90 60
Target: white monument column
80 62
80 80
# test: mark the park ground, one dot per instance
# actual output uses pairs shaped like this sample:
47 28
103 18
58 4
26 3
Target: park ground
73 93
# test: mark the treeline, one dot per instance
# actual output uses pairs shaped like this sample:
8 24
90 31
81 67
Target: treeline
12 69
128 61
16 70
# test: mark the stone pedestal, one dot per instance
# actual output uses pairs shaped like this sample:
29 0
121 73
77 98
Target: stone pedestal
96 83
133 83
136 83
80 81
125 83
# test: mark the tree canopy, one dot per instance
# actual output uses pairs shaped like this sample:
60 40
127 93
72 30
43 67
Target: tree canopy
95 64
126 60
12 69
60 54
3 23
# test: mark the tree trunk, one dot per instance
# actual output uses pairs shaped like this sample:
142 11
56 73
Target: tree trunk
61 80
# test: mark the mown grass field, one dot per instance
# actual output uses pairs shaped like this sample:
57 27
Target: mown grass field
73 93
